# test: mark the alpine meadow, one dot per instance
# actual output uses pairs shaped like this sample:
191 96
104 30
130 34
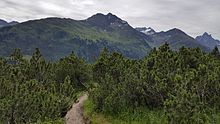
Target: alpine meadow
107 68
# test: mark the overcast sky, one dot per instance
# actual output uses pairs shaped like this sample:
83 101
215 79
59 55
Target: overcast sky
192 16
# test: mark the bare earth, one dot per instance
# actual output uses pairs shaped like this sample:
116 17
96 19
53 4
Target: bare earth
75 115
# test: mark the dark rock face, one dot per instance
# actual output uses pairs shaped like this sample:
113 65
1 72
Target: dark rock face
106 21
208 41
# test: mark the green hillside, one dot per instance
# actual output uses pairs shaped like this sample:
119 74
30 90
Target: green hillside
57 37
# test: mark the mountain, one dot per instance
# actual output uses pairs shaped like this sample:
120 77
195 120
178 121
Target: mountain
58 37
112 24
208 41
13 23
3 23
107 22
147 31
174 37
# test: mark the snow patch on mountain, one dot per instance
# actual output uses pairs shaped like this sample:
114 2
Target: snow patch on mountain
147 31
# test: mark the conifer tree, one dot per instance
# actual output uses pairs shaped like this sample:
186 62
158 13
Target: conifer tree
215 52
38 68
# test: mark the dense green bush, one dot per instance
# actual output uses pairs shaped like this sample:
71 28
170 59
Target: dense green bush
75 68
185 84
29 93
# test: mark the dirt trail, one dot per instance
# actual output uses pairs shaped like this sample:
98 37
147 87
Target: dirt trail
75 114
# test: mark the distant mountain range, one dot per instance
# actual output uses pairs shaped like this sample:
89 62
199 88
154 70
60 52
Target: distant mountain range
206 40
4 23
174 37
58 37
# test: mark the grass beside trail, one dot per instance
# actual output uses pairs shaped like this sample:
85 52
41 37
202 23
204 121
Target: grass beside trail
141 116
58 121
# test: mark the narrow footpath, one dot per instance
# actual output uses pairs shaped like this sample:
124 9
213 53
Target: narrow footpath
75 114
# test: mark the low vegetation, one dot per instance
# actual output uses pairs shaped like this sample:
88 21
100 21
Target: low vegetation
36 91
184 85
165 87
140 116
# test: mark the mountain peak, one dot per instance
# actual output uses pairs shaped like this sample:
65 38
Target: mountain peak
206 35
110 14
1 20
104 21
147 31
13 23
176 31
207 40
4 23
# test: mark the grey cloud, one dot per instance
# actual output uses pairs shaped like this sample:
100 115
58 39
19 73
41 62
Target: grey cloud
194 16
